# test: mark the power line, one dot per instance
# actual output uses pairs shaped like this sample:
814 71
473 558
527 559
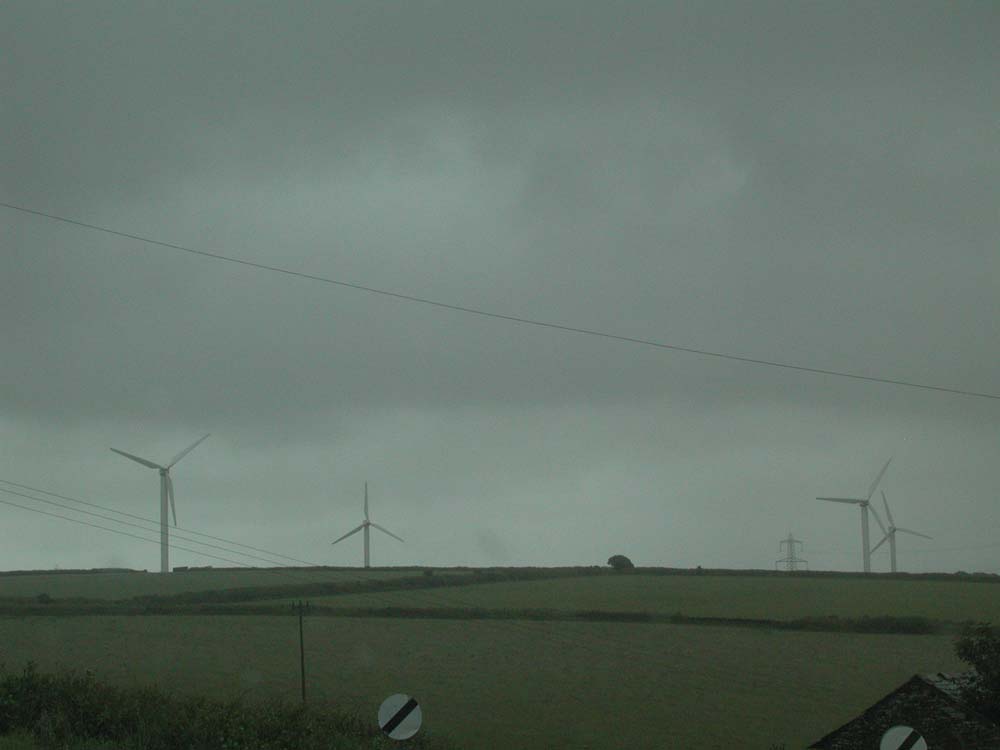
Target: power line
150 520
142 528
124 533
501 316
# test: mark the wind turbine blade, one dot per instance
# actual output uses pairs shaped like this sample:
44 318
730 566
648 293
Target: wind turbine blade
871 490
850 500
386 531
888 512
354 531
187 450
170 494
877 519
366 501
915 533
880 543
142 461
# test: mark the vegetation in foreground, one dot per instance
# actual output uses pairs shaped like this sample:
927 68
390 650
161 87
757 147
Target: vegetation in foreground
25 740
73 710
979 647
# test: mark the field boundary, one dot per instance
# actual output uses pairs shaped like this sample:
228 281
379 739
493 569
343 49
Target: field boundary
827 624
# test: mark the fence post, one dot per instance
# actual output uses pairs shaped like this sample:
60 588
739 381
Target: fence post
302 654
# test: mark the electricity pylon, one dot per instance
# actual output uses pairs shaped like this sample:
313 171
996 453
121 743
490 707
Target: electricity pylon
790 561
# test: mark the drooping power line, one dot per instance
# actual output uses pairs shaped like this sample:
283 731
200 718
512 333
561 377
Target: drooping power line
134 536
143 528
501 316
230 542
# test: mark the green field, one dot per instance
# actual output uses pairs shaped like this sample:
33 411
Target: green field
521 683
709 596
502 684
126 585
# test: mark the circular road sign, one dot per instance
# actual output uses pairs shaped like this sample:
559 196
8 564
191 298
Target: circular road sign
399 716
902 738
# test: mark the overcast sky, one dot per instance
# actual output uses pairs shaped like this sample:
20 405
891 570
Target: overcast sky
811 183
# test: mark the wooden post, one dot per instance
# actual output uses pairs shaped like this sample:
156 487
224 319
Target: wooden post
302 654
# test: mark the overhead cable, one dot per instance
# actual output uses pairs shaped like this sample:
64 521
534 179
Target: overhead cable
150 520
502 316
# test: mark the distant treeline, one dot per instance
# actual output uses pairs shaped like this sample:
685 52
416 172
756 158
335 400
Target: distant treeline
60 709
831 623
960 575
67 571
514 573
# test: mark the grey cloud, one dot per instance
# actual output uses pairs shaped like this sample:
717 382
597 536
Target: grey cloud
813 184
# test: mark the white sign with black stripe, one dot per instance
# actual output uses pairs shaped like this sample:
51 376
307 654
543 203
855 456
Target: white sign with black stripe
902 738
399 716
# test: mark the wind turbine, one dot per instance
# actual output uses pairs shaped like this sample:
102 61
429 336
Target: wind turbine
364 526
891 534
866 552
166 492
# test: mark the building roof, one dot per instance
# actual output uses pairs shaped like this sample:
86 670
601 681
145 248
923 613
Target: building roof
931 703
950 683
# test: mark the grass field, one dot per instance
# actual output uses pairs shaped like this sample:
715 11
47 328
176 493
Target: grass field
503 684
526 684
127 585
709 596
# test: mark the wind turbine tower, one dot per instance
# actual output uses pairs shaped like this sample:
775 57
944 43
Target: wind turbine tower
790 560
166 493
891 534
866 553
364 527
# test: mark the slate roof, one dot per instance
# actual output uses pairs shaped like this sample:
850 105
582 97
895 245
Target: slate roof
931 703
949 683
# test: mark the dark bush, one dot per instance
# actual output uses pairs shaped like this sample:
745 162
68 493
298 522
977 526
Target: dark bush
620 562
979 647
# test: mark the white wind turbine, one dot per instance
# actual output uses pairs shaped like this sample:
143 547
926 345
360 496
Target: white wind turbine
166 492
364 526
891 534
866 552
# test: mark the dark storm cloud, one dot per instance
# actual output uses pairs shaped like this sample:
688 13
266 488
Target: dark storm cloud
814 184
